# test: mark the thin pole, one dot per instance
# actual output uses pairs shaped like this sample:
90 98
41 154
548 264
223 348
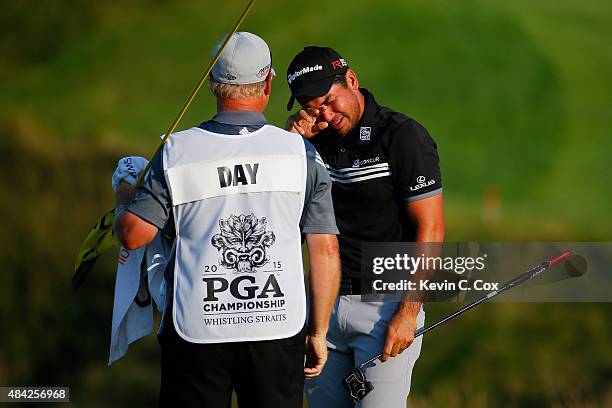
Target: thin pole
193 94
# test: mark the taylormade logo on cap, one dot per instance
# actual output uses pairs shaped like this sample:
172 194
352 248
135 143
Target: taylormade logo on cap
302 71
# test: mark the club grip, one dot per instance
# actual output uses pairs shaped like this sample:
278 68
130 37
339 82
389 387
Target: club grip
560 258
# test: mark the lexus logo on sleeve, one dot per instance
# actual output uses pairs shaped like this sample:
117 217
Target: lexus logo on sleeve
422 183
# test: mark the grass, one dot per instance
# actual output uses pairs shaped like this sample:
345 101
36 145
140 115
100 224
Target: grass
516 94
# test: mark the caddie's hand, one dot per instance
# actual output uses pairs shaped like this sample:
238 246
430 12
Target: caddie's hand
316 355
124 194
400 335
305 124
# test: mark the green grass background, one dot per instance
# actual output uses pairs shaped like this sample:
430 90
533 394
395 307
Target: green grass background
517 94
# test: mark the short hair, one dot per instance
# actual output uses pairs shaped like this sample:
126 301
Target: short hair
232 91
341 80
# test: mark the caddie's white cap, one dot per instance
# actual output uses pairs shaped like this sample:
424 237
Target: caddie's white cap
245 60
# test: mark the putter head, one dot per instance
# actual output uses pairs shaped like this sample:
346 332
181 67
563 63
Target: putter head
357 385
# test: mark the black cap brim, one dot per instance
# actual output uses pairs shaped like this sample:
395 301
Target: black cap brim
312 89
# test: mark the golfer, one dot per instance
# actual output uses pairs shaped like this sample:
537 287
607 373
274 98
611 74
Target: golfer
234 195
386 187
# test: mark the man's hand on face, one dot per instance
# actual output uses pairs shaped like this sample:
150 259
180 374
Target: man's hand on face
306 124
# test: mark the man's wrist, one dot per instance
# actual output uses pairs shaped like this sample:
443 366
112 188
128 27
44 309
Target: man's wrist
408 309
315 332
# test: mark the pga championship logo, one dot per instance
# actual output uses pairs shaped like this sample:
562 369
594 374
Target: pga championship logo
243 242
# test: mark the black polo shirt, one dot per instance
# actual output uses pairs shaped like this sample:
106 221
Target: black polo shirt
387 160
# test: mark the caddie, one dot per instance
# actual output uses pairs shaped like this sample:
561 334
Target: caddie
387 187
235 195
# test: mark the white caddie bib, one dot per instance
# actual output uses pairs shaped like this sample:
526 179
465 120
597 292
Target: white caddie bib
237 202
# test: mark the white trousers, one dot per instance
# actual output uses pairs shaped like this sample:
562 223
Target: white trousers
356 333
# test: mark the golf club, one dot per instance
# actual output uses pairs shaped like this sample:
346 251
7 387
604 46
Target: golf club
356 383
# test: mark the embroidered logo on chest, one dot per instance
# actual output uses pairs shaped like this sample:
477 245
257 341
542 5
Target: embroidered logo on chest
365 133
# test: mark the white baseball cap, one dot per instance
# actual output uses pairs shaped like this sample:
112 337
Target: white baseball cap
245 60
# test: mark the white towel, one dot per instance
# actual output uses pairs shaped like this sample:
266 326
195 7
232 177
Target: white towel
128 170
133 320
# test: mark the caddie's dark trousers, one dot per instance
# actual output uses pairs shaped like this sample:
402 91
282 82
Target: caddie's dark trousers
265 374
